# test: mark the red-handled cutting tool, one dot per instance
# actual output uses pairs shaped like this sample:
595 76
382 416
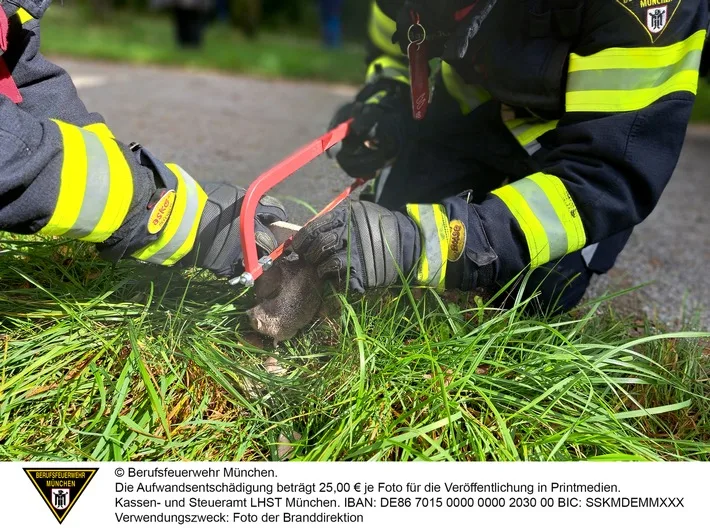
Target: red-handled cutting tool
253 265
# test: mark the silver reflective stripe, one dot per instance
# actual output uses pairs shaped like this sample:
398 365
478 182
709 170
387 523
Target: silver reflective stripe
381 181
532 131
544 211
533 147
588 253
630 78
433 261
394 73
98 186
192 208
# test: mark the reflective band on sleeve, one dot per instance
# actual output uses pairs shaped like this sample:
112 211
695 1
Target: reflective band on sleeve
434 228
95 188
178 236
469 97
547 216
527 131
100 129
380 29
390 68
23 15
98 169
628 79
376 98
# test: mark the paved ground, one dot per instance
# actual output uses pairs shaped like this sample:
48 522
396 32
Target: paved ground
230 128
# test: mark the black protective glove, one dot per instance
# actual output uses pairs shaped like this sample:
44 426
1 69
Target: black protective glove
376 244
382 115
218 242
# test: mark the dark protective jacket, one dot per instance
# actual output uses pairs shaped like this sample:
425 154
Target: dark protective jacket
63 173
599 93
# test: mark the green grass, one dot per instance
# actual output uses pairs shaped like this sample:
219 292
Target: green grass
148 39
130 362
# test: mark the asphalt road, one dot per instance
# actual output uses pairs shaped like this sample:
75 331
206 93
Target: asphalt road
229 128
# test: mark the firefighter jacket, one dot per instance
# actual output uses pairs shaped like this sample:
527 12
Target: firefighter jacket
601 93
63 173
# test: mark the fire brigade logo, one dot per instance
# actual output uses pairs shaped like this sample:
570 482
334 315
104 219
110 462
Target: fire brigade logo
656 18
653 15
60 488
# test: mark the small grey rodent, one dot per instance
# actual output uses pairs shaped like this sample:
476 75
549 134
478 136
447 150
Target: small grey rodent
289 296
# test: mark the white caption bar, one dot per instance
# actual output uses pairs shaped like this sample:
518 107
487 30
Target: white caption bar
354 496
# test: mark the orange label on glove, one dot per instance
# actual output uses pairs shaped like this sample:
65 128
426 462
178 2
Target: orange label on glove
161 212
457 241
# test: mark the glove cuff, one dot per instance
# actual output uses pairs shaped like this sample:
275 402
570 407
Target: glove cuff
434 236
163 230
472 260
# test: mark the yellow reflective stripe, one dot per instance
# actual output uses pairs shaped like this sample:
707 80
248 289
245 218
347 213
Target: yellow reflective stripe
434 229
95 186
380 29
643 57
120 192
631 100
23 15
100 129
534 232
628 79
72 182
376 98
565 208
178 236
469 97
533 132
527 130
390 68
546 214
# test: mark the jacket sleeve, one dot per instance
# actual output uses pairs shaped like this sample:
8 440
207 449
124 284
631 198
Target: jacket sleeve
384 58
602 169
64 174
47 90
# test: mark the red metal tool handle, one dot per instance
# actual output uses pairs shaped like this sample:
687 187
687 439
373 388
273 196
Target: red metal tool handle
268 180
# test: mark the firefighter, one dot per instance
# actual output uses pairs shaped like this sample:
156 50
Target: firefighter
63 173
553 128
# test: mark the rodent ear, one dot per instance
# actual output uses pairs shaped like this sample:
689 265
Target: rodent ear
269 284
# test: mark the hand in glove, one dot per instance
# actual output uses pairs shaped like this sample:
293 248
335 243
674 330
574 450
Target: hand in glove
442 246
218 243
381 115
175 220
376 244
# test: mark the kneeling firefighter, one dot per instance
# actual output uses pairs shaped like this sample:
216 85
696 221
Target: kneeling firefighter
553 129
63 173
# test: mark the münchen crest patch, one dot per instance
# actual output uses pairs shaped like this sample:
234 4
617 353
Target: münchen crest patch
60 488
653 15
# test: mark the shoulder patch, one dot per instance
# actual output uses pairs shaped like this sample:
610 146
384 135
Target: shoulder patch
654 15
